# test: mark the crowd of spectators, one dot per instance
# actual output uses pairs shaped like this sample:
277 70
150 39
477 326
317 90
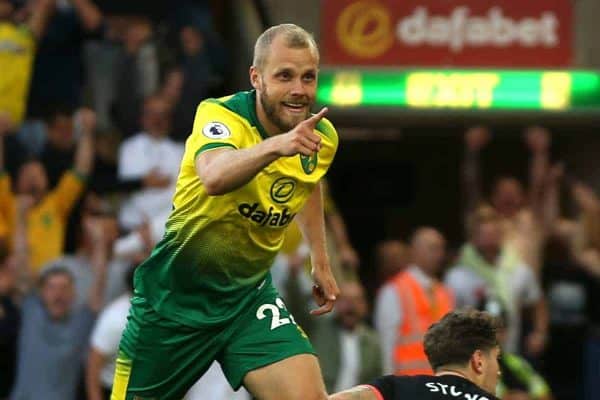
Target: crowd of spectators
94 110
524 259
96 100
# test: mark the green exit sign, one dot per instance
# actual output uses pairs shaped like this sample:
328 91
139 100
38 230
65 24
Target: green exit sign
461 89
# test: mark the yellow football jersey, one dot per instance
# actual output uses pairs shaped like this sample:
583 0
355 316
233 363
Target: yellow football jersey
17 49
46 222
218 248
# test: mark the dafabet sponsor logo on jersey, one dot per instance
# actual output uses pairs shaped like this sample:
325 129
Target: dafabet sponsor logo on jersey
281 191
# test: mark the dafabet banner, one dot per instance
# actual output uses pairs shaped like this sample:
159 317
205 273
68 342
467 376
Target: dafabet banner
503 33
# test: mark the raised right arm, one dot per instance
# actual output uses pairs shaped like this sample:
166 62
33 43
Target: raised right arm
226 169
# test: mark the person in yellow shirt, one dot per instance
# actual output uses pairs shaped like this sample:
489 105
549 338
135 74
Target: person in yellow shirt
17 50
47 217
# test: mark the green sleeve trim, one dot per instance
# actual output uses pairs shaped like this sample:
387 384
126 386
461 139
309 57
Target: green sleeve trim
212 146
243 104
83 178
213 101
326 127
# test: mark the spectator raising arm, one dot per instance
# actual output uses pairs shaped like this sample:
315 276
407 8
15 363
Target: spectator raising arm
96 232
71 184
538 141
586 244
89 13
95 362
21 245
476 139
85 123
544 180
39 17
536 340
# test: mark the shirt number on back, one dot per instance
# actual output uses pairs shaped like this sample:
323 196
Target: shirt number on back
276 320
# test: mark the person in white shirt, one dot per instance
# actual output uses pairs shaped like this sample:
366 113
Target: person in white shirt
427 252
148 152
104 344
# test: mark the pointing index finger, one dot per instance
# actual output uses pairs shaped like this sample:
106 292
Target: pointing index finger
314 119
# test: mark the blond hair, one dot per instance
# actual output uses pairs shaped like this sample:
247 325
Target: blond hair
295 37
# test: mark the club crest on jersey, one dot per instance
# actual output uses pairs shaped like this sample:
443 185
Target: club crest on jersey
216 130
282 190
309 164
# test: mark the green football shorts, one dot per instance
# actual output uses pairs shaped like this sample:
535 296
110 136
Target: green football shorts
160 359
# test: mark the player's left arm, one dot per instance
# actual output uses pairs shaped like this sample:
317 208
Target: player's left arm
357 393
312 224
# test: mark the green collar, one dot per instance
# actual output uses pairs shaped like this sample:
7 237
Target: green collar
252 113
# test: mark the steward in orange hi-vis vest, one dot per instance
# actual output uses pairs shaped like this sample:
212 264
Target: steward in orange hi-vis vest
420 309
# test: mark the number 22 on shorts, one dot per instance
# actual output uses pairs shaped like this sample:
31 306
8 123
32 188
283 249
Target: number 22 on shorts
276 320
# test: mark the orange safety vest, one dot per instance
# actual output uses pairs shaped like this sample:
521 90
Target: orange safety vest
418 313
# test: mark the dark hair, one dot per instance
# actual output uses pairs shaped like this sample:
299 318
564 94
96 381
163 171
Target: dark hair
55 110
53 271
454 339
31 158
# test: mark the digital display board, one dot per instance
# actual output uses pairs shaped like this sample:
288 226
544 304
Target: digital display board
461 89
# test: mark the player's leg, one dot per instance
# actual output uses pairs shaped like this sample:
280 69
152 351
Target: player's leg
294 378
270 354
160 358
